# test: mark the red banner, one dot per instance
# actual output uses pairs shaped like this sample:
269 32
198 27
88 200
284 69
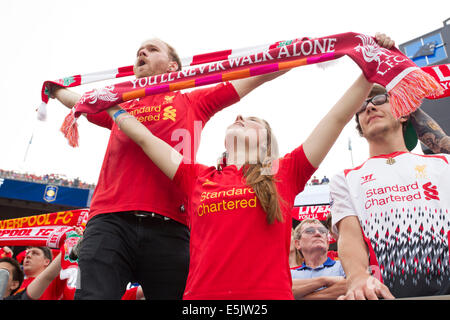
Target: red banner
311 212
47 230
65 218
442 74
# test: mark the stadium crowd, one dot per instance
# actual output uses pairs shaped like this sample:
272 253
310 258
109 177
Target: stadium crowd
46 179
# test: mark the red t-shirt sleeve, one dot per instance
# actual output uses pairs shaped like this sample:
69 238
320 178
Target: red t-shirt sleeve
296 168
101 119
186 176
130 294
209 101
55 290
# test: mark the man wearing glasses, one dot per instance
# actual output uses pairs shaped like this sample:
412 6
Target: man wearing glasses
391 213
319 277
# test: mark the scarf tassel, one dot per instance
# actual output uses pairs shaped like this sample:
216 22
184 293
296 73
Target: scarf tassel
70 129
407 95
42 112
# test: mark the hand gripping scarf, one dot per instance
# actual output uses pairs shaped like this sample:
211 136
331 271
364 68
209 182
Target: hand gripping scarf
406 83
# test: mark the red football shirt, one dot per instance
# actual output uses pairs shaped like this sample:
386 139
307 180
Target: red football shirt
55 290
129 180
234 252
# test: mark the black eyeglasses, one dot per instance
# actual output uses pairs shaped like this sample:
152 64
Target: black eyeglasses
375 100
311 230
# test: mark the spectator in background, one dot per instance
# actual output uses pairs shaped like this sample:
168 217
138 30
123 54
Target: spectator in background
319 277
15 276
325 180
332 237
36 260
314 181
40 283
39 287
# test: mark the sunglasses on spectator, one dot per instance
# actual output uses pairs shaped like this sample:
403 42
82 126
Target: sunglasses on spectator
377 100
311 230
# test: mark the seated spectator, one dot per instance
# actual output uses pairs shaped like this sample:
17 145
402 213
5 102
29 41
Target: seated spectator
319 277
325 180
314 181
15 276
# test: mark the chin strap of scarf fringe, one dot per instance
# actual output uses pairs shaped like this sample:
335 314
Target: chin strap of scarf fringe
406 83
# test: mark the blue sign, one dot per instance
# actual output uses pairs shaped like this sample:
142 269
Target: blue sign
427 50
38 192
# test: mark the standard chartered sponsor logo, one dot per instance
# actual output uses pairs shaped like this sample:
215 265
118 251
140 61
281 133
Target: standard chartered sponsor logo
226 201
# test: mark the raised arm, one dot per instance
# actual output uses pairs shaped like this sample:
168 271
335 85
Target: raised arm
37 287
429 132
325 134
65 96
161 153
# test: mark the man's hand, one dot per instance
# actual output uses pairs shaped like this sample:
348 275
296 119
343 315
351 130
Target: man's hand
5 252
384 41
366 287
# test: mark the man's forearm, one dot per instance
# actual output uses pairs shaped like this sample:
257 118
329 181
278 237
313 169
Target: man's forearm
330 293
303 287
65 96
353 251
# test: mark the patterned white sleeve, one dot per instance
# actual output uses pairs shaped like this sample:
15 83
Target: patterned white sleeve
341 205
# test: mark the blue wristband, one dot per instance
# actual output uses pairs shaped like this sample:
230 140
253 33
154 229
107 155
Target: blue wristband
118 113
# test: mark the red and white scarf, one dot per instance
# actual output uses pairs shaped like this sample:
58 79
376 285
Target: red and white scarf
77 80
406 83
44 230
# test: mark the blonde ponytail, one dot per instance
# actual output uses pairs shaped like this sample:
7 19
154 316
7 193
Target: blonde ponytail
265 190
261 177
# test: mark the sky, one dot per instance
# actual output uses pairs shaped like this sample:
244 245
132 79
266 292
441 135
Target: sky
47 40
